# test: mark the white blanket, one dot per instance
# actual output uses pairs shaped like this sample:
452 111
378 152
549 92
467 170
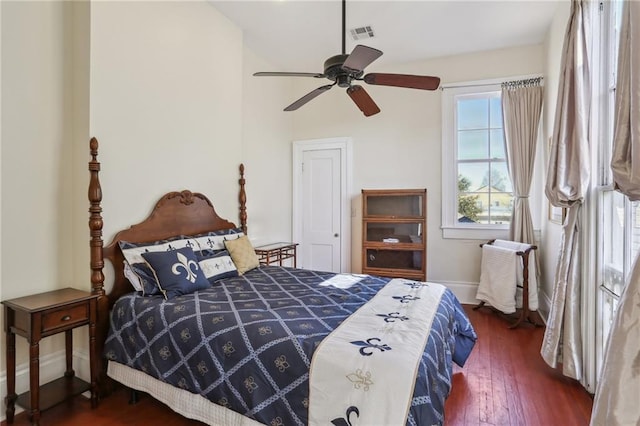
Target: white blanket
498 278
365 370
533 276
501 273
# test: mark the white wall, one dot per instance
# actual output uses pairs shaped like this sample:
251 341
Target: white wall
401 146
267 152
36 158
165 104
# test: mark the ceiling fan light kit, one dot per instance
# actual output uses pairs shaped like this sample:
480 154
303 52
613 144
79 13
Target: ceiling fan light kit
345 69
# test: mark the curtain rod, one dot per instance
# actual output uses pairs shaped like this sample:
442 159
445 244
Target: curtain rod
528 82
494 83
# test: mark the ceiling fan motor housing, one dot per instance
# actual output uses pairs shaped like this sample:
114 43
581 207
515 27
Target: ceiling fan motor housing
333 71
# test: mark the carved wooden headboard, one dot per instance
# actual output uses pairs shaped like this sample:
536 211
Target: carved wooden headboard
176 213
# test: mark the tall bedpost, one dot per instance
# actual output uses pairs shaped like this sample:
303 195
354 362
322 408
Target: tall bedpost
243 201
95 221
97 264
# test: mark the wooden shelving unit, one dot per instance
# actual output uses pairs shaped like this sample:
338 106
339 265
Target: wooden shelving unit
394 233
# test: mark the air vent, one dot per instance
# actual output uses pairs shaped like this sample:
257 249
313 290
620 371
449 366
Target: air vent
362 32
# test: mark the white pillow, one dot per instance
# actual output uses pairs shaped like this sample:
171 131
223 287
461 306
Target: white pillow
131 276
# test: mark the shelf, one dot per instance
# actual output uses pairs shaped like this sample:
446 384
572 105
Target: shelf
395 215
55 392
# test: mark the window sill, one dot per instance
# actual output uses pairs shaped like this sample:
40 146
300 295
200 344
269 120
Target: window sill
474 233
485 234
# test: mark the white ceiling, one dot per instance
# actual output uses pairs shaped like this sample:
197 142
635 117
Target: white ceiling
298 35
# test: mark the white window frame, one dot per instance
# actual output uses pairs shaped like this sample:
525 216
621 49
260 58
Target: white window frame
604 90
451 228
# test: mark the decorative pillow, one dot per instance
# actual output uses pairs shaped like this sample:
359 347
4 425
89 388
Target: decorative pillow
242 254
131 276
133 255
212 242
177 271
218 266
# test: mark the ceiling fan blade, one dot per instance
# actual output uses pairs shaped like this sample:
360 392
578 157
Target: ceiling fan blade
403 80
288 74
360 57
306 98
363 100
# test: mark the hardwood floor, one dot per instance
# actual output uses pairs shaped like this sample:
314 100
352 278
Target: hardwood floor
505 382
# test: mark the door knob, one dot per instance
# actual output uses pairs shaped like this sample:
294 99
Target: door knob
336 235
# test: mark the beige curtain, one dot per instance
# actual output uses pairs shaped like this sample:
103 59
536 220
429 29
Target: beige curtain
521 109
618 392
567 184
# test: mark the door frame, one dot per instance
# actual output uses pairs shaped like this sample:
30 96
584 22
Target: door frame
344 144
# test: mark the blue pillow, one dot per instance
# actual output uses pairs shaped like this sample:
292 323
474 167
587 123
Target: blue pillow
132 253
177 271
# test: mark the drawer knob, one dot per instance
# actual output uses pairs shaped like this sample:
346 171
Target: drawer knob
66 318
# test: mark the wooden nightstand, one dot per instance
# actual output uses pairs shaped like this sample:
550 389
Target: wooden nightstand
276 252
42 315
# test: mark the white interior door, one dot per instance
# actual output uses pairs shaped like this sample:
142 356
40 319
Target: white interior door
321 204
321 210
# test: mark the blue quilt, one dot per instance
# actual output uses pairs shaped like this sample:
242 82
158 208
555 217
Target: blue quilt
247 342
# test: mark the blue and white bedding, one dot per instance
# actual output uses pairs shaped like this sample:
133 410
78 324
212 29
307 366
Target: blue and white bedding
247 342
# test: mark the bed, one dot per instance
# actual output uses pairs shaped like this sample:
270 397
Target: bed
269 344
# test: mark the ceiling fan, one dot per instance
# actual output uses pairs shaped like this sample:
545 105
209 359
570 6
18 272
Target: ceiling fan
345 69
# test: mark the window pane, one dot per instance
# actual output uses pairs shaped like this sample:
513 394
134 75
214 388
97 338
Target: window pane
635 230
608 313
473 144
501 207
473 174
480 158
495 113
473 114
471 203
497 144
469 207
613 235
500 177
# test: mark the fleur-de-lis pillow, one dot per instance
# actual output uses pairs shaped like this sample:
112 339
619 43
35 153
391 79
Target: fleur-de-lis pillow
177 271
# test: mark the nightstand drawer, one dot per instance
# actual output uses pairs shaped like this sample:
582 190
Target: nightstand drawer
67 316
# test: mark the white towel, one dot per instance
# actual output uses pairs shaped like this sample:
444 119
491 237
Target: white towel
498 278
513 245
533 279
343 280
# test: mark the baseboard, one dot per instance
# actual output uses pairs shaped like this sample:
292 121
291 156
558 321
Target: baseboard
466 294
464 291
52 366
544 306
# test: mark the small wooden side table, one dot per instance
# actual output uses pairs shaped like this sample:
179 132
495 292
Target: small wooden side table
41 315
276 252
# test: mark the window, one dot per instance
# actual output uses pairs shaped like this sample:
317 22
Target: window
618 237
477 195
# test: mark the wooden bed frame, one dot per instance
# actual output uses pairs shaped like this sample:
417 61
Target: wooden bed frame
176 213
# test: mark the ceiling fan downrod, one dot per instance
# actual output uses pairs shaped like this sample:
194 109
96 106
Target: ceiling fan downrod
344 25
